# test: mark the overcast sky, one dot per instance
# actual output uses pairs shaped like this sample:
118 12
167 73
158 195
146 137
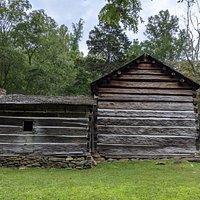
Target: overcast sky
70 11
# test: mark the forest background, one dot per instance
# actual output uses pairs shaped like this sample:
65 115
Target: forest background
38 56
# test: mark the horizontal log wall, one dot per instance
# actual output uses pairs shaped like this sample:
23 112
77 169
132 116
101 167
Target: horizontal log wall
61 132
145 111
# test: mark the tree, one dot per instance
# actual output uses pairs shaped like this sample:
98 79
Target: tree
164 41
110 43
125 12
30 33
76 35
192 35
12 13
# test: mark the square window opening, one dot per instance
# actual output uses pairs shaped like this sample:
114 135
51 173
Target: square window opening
28 126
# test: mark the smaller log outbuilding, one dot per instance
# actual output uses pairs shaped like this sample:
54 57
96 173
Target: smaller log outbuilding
144 109
45 131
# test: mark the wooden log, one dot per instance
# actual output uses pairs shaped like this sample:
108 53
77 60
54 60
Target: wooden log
44 114
117 150
44 121
147 130
11 121
159 141
147 66
144 72
145 91
146 106
7 129
46 118
146 77
143 98
46 130
54 149
145 113
30 138
156 85
131 121
60 122
37 108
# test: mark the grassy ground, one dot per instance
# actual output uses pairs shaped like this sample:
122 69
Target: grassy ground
110 181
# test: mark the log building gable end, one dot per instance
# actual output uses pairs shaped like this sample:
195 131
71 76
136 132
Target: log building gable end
144 71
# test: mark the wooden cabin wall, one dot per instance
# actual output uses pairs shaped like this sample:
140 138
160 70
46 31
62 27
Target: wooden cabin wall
146 111
58 130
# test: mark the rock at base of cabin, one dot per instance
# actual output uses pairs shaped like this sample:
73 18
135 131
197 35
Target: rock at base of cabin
161 163
69 162
177 162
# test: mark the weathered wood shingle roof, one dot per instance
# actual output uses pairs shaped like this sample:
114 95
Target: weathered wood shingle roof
37 99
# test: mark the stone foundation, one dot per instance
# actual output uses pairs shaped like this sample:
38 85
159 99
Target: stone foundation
99 158
69 162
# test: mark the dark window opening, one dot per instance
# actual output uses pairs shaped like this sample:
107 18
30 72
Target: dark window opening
28 126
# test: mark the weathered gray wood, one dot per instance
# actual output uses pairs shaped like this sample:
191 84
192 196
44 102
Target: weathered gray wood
147 106
144 66
159 141
147 130
46 118
64 123
147 84
144 98
42 121
142 71
130 121
10 129
146 77
145 91
43 149
145 113
38 108
45 114
30 138
42 130
118 150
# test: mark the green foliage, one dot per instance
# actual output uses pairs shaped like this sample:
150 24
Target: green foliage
37 56
136 180
76 35
109 43
125 12
164 39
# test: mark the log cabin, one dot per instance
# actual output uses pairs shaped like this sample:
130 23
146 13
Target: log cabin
145 109
45 128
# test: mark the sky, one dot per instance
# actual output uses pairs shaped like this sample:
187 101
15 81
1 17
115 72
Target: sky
70 11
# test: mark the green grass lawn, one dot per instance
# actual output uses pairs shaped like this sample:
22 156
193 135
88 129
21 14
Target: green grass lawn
127 180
